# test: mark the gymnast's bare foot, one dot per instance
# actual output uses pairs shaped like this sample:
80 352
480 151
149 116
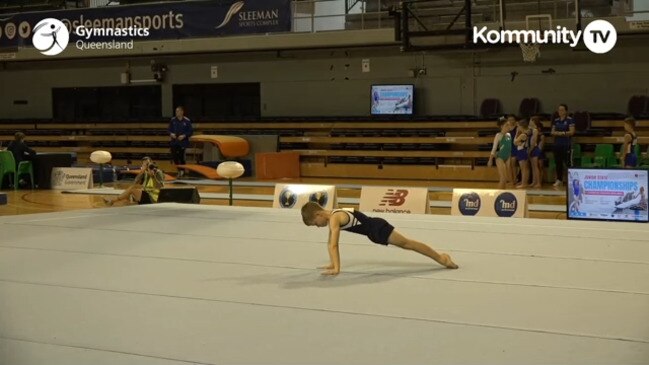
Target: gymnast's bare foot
446 259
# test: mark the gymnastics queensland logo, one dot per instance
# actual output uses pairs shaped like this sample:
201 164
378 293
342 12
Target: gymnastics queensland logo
469 203
50 36
505 205
58 177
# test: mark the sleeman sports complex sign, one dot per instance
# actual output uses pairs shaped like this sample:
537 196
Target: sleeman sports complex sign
174 20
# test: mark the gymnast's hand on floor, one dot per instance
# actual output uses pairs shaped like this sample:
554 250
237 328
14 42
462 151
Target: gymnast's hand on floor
331 272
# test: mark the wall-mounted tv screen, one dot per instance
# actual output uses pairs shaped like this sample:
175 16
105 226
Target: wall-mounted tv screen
392 99
607 194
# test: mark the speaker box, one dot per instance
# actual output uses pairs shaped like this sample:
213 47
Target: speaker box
179 195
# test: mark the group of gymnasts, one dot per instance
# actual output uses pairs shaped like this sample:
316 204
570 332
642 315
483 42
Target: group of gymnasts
519 145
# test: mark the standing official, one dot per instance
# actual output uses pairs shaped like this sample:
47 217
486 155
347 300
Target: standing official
180 129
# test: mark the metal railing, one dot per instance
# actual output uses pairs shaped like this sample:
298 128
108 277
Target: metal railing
324 15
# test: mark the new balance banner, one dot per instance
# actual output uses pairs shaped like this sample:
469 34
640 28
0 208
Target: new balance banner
394 200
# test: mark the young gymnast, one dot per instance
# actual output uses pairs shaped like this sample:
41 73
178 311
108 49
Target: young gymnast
536 146
631 200
628 157
534 152
501 151
577 192
377 230
511 163
522 142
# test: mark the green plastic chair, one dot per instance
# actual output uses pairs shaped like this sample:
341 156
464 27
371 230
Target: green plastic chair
24 167
549 172
603 152
576 155
7 166
614 162
643 161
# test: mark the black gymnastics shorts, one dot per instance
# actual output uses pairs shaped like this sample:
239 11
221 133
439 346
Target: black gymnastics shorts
379 230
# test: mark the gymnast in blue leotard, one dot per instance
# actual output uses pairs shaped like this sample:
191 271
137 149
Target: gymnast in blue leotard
576 193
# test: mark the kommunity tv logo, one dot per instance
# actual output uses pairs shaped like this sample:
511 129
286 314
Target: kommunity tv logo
599 36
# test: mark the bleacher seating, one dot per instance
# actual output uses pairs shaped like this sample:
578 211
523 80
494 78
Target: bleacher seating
326 145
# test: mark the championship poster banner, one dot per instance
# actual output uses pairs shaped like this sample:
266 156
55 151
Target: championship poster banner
489 203
608 194
394 200
171 20
294 196
71 178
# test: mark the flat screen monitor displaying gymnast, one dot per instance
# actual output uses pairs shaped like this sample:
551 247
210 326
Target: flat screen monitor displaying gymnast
392 99
607 194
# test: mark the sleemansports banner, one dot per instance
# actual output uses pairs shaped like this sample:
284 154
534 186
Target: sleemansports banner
173 20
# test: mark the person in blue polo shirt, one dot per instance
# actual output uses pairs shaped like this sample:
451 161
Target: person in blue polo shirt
180 129
563 128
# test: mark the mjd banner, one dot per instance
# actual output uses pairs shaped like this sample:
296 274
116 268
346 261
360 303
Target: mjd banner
489 203
171 20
